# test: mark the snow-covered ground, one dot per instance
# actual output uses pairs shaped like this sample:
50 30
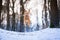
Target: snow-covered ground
45 34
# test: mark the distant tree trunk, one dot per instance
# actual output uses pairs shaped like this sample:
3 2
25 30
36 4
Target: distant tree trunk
58 3
13 17
8 16
45 12
0 11
54 14
22 17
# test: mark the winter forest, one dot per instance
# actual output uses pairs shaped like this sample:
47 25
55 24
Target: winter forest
29 15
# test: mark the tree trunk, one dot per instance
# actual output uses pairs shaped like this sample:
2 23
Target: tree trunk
8 16
13 18
0 11
45 7
44 14
54 14
22 17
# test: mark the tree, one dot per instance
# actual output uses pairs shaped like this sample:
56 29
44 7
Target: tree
44 15
22 17
54 13
0 11
13 17
8 16
45 7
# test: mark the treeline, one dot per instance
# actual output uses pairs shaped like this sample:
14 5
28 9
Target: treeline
10 17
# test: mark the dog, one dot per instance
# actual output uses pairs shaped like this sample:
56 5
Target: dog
26 18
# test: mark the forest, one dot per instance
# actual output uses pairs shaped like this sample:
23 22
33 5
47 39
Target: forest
29 15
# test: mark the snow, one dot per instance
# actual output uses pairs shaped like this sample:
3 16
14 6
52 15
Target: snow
45 34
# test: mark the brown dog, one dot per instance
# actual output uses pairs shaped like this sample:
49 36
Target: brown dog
26 17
